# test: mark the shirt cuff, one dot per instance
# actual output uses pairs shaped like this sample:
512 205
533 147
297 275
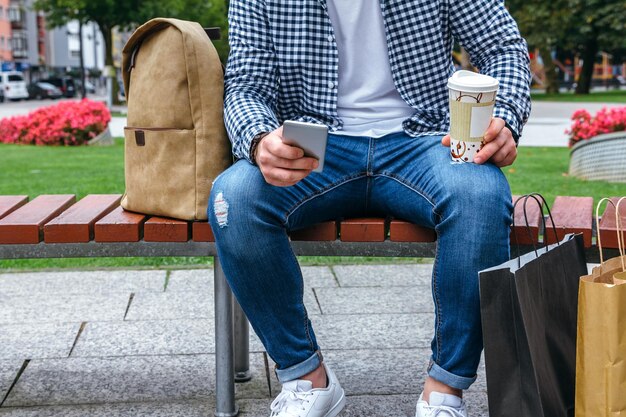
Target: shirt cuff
511 121
253 145
513 132
246 148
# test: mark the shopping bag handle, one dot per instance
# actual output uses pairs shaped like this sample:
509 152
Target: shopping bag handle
536 197
620 231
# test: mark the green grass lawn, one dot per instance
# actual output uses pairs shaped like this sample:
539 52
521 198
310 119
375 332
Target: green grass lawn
613 96
544 170
79 170
99 170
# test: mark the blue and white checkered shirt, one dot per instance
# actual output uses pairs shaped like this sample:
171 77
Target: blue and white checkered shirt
283 63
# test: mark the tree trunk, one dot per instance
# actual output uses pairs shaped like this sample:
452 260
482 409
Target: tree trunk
551 80
107 34
82 60
589 59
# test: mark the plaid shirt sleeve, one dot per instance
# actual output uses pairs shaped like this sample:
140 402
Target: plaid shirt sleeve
251 77
497 49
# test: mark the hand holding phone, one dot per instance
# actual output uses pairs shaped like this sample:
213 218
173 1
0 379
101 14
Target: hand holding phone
311 138
282 165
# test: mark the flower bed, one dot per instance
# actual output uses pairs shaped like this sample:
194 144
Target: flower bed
598 145
600 158
585 126
67 123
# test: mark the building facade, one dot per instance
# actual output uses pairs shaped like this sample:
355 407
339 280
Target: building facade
6 52
27 45
21 37
63 54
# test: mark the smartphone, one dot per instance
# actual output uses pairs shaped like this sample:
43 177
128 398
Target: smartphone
310 137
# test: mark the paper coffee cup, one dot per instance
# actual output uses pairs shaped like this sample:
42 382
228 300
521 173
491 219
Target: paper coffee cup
472 97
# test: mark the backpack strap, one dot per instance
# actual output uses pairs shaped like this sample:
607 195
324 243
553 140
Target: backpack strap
215 33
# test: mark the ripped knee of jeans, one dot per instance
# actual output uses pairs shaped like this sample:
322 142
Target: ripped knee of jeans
220 208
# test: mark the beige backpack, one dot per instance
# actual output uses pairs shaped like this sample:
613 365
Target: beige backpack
175 141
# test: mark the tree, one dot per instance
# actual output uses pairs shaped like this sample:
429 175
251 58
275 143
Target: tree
124 14
208 14
585 26
107 14
543 24
597 25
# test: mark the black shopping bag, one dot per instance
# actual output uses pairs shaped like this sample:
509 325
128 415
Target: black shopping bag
529 308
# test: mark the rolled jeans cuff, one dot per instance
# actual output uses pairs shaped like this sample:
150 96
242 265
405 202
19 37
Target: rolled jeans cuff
300 369
459 382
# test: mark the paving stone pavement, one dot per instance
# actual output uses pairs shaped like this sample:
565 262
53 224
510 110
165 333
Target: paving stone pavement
141 343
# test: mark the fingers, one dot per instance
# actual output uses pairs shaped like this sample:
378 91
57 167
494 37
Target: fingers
281 177
269 159
275 146
499 145
273 153
445 141
494 129
282 165
501 151
504 156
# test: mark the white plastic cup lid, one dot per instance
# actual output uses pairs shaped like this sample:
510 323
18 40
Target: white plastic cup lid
472 82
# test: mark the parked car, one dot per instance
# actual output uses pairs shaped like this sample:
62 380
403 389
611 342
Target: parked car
65 84
90 88
40 89
13 85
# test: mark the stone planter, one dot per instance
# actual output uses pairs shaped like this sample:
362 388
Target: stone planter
602 157
103 139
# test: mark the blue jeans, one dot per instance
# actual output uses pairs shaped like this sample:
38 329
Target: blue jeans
413 179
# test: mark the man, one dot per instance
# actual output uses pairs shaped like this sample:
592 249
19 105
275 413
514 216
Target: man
375 73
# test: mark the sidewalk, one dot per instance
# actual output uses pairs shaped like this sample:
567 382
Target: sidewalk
546 125
140 343
548 121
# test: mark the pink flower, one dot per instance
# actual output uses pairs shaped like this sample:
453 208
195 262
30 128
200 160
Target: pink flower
585 126
67 123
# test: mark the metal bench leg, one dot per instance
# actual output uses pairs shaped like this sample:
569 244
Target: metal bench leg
224 351
242 345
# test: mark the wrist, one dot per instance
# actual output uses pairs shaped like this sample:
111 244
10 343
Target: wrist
514 133
255 144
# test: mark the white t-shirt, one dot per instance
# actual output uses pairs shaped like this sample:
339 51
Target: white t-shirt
368 102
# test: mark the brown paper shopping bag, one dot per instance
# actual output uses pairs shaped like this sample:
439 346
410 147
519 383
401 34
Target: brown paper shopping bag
601 338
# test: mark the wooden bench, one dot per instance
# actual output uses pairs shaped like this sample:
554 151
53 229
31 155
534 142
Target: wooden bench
58 226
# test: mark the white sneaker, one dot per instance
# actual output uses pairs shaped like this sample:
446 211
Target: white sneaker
441 405
299 399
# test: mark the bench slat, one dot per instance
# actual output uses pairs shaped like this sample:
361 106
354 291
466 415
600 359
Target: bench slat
608 227
401 231
520 231
25 225
363 230
10 203
75 225
119 226
201 232
161 229
571 215
321 232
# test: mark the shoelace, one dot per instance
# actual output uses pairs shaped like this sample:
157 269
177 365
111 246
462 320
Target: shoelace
437 410
289 403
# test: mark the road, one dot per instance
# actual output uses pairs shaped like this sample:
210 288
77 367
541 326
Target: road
546 125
